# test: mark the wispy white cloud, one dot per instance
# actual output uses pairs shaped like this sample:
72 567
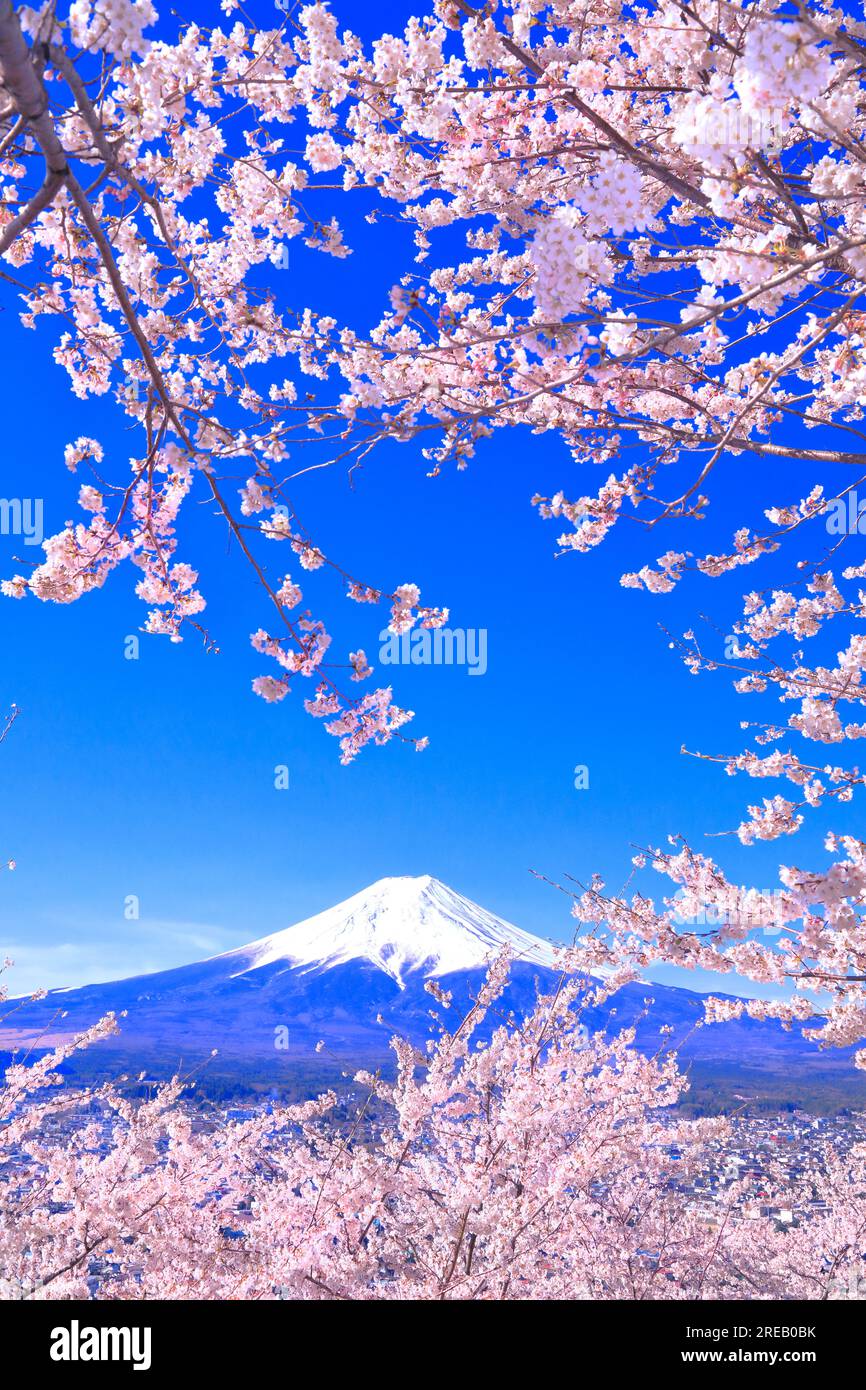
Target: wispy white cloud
93 956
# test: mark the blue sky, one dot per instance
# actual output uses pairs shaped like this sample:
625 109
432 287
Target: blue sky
155 777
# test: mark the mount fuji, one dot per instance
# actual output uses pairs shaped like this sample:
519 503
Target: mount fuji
354 975
403 926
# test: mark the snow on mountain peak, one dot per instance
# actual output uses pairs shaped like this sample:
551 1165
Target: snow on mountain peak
400 925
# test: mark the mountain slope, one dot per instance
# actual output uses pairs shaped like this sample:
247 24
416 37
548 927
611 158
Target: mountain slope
401 925
353 976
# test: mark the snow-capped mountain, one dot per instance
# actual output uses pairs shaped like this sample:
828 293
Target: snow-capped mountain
401 925
352 977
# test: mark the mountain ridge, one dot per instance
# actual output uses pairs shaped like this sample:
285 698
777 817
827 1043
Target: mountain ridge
351 977
399 924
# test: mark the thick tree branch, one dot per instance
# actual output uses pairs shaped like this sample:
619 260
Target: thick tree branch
25 87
